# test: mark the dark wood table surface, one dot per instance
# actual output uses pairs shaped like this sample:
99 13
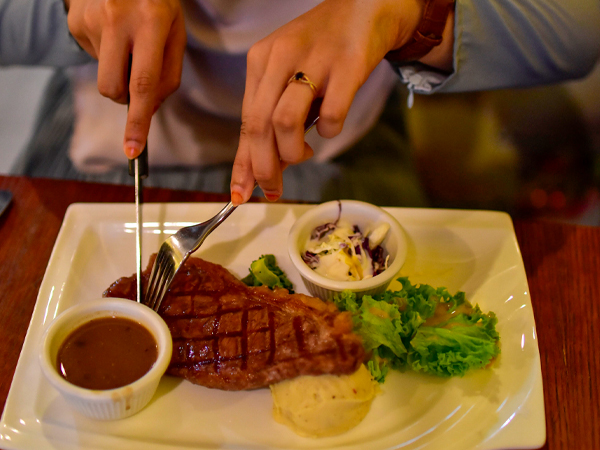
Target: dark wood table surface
562 263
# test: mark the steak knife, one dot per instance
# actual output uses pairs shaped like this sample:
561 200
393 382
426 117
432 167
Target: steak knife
138 169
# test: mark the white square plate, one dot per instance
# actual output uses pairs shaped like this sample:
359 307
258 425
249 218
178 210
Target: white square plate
473 251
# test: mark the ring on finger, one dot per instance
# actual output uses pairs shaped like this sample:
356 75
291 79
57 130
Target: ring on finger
301 77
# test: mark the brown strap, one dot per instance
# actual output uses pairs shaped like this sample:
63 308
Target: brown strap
428 33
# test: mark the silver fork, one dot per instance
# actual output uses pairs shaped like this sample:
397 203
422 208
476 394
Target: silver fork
176 249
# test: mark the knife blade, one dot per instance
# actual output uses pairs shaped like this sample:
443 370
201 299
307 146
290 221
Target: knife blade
138 169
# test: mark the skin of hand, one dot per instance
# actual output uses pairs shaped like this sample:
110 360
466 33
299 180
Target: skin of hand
153 33
337 45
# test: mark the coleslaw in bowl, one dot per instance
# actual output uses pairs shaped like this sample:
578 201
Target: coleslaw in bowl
347 245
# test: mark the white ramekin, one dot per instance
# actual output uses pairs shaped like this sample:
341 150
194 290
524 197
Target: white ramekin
357 213
107 404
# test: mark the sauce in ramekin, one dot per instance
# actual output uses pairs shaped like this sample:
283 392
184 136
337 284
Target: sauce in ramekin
107 353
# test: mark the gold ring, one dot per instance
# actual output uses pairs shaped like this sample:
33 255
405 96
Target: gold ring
302 78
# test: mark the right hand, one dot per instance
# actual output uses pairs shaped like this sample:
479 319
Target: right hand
337 44
153 31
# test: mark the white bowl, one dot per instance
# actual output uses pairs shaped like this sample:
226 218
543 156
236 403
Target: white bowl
357 213
107 404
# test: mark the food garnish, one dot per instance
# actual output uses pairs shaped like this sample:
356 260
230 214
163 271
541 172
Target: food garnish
423 329
340 251
265 272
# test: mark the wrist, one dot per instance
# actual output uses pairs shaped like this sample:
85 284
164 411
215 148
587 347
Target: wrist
442 56
434 25
410 16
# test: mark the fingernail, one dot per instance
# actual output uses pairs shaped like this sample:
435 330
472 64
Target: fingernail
132 149
272 196
236 198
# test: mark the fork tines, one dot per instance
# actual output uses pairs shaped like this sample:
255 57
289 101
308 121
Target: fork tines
162 273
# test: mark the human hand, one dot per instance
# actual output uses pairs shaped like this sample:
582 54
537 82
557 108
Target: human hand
337 45
153 32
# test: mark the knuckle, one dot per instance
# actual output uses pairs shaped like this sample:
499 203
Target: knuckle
255 58
156 12
111 90
113 12
263 175
143 84
253 126
293 158
331 121
284 46
284 120
75 25
136 124
89 19
332 115
241 166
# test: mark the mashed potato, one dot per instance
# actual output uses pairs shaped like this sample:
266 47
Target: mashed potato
325 405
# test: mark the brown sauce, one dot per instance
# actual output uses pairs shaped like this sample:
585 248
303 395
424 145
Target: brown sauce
107 353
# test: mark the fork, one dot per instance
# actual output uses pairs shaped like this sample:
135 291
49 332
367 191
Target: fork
176 249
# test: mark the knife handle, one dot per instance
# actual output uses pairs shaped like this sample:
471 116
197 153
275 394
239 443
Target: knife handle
143 164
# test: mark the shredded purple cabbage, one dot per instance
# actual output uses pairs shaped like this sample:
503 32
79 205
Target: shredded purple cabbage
323 230
365 245
311 259
378 260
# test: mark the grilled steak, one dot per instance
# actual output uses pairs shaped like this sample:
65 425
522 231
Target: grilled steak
229 336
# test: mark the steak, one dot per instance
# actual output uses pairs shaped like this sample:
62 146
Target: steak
229 336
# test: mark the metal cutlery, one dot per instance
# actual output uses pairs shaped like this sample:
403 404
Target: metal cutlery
176 249
138 169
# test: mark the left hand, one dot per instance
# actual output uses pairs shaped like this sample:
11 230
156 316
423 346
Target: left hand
337 45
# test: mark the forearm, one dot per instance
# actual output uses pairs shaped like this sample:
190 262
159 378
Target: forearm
34 32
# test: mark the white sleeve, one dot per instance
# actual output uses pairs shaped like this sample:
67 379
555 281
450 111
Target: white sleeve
35 32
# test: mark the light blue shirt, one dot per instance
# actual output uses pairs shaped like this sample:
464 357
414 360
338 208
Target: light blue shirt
516 43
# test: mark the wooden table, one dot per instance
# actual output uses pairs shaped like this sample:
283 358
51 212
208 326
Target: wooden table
562 264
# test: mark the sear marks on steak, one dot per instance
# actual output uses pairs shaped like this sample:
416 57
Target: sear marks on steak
229 336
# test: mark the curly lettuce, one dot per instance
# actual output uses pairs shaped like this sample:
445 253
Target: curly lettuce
395 330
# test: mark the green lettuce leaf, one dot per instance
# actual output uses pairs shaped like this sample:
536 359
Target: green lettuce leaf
465 342
391 325
346 301
380 324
